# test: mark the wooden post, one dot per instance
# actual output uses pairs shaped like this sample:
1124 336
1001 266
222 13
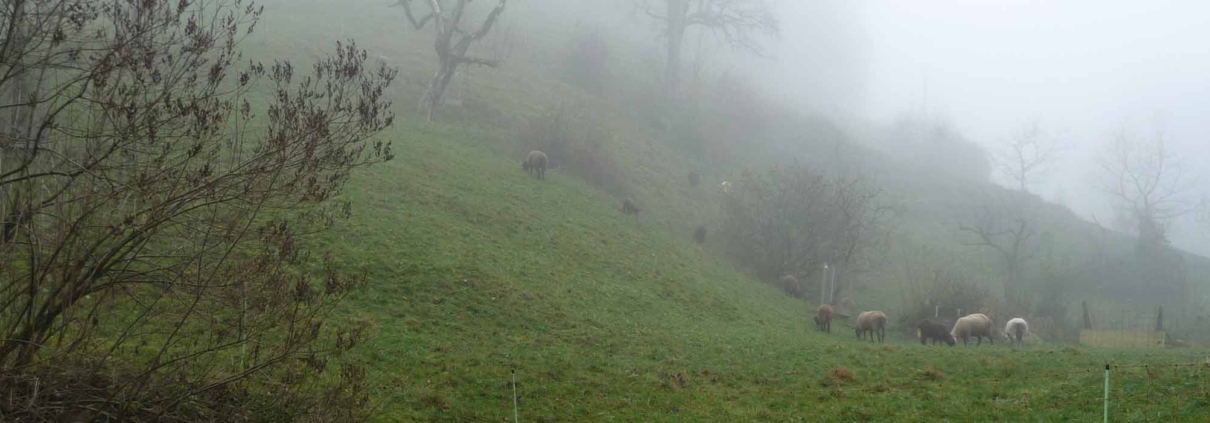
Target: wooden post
1087 319
823 285
1159 320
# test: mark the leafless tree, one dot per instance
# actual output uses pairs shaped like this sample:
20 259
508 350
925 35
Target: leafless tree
1026 154
1146 183
1005 229
153 199
736 22
447 25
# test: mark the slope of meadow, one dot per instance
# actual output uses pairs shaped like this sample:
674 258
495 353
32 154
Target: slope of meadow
476 270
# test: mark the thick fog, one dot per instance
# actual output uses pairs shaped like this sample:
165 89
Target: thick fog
1085 67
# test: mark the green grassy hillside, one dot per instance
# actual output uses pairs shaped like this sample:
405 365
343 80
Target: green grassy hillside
476 269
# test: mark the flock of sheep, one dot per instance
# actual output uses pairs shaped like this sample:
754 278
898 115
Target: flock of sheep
976 325
873 323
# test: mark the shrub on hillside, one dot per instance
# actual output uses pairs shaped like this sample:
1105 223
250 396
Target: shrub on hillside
155 221
947 291
793 219
575 142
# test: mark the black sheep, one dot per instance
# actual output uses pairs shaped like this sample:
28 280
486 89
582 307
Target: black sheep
936 331
628 207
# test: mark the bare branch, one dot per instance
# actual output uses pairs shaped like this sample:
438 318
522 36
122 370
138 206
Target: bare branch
1027 154
1147 184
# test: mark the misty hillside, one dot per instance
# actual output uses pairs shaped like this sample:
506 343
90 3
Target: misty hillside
935 178
552 210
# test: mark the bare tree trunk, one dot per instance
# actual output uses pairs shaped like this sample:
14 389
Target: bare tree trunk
676 38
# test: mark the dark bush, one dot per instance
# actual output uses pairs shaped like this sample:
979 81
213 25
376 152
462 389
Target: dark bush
794 219
948 291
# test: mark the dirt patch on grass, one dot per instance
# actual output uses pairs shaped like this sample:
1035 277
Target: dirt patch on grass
841 375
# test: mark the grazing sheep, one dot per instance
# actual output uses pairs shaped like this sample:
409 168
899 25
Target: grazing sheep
628 207
930 330
823 318
699 235
1016 331
790 284
694 179
873 322
977 325
535 162
726 187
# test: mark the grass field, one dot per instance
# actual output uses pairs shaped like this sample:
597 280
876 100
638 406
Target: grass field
476 273
476 270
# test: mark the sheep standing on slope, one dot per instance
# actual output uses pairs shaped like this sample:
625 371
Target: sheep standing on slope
790 284
628 207
1016 331
873 322
535 162
823 318
977 325
935 331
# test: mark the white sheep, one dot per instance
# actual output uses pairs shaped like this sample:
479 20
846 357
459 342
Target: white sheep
873 322
977 325
1016 331
726 187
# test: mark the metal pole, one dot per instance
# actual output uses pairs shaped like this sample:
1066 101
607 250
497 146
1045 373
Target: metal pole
1105 413
823 285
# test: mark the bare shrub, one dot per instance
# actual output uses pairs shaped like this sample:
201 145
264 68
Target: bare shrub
154 216
794 219
941 287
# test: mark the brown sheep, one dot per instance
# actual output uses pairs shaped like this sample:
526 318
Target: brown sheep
935 331
535 162
790 284
977 325
823 318
872 322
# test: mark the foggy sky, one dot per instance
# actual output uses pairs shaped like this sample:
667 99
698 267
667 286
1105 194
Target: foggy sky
1085 66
